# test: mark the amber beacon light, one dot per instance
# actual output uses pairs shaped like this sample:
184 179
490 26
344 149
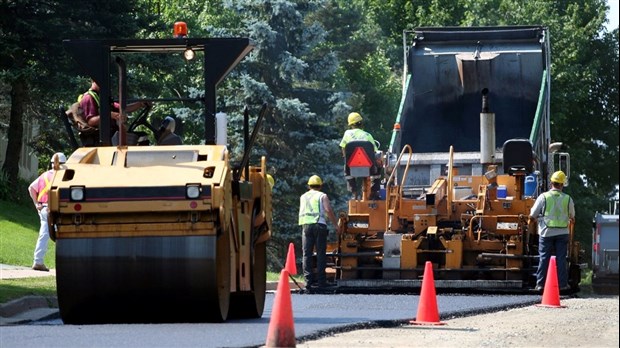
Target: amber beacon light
180 29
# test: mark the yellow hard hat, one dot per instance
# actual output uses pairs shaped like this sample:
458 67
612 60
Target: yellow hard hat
558 177
315 180
270 180
354 118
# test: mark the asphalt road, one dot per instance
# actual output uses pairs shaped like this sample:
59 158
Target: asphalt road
314 316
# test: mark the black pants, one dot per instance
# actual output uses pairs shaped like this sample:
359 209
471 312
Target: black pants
314 235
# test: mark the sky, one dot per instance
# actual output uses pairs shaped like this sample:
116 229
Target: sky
612 15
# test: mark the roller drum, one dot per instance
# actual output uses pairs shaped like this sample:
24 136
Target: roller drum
141 279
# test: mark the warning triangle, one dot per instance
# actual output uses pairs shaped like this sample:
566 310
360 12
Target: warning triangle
359 158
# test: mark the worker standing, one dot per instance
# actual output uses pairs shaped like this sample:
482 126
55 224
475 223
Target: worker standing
553 210
314 208
39 192
355 132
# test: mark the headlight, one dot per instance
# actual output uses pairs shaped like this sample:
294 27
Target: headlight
77 193
192 191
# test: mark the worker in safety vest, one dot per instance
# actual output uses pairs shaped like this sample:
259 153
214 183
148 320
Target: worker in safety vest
38 191
355 132
314 209
554 210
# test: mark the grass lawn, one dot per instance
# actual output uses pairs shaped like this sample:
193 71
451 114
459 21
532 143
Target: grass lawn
11 289
19 226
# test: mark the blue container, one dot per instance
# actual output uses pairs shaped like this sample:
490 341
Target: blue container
382 194
530 185
501 191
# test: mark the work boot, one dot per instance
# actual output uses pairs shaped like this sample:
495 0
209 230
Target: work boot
40 267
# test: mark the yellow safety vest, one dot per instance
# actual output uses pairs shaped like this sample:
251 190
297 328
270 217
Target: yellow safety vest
310 207
556 209
356 134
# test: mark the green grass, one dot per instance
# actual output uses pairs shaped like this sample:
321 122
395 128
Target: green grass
11 289
19 226
274 277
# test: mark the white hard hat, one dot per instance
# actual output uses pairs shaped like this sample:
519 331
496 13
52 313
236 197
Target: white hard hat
61 157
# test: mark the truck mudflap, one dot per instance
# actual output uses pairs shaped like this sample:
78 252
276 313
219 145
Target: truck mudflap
143 279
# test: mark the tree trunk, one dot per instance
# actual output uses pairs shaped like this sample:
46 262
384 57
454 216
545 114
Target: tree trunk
16 131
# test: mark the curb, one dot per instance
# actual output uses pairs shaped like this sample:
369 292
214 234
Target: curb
28 309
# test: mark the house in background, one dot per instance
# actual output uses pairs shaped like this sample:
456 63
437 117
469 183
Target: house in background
28 162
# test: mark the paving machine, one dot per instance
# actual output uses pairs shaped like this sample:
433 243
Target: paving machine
171 233
470 152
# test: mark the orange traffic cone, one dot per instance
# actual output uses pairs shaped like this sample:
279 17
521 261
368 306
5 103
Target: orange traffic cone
291 266
281 329
551 293
427 308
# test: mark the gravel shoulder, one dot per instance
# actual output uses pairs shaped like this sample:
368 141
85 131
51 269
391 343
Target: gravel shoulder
583 322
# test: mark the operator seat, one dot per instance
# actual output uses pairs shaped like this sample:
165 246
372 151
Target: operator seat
518 157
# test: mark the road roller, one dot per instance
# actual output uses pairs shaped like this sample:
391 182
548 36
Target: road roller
149 233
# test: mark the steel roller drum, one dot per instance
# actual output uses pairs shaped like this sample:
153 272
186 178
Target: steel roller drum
142 279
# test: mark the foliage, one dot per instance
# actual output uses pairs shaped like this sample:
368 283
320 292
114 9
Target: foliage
286 70
16 193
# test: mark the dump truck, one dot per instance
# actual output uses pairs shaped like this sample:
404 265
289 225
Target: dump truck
148 233
470 151
605 258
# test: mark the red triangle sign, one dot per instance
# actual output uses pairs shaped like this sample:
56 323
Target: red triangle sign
359 158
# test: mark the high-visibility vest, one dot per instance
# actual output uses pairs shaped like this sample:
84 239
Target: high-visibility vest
310 207
556 209
93 94
43 186
356 134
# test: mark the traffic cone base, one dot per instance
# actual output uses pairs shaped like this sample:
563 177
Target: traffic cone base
291 266
428 313
551 292
281 332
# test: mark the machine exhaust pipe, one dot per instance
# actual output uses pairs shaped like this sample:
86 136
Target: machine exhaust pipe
487 131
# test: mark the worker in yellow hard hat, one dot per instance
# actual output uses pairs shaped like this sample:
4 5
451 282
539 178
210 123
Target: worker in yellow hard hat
554 211
271 181
356 132
314 210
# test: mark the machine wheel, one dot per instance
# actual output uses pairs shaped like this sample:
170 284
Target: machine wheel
222 301
250 304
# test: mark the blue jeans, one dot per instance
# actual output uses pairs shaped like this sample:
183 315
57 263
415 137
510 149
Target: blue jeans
546 245
314 235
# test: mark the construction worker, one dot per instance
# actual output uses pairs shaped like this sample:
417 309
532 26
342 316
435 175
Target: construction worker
553 210
38 191
355 132
271 181
314 208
